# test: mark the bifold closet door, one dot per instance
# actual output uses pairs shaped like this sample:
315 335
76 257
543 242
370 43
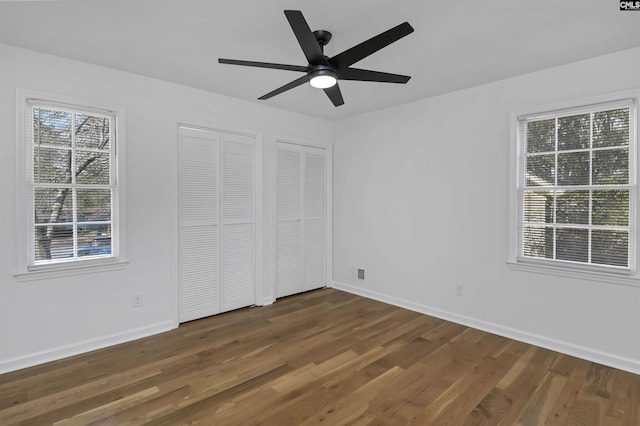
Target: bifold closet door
216 222
288 221
199 230
238 222
300 219
314 220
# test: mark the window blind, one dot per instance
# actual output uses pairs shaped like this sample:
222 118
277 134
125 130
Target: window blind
576 185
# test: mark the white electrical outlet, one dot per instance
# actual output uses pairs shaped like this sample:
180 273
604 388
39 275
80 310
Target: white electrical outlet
136 300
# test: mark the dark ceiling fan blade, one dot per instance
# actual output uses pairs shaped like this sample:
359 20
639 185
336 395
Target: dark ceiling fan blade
288 86
366 48
306 39
367 75
263 65
334 94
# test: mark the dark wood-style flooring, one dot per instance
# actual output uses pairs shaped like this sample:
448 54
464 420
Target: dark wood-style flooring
324 357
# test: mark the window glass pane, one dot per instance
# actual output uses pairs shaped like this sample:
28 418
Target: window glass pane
541 136
611 166
94 240
51 127
572 244
573 168
611 128
92 132
94 205
51 165
53 205
53 242
540 170
610 247
574 132
572 207
610 207
537 242
92 168
538 206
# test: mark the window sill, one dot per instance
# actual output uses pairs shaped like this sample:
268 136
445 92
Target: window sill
599 276
58 271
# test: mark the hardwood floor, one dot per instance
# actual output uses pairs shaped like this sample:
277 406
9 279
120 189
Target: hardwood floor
324 357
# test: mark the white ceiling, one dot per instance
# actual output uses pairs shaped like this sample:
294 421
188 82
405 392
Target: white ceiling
456 44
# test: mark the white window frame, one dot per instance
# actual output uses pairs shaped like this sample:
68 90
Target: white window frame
27 269
615 275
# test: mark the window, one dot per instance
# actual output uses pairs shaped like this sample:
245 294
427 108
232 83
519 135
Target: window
576 187
71 188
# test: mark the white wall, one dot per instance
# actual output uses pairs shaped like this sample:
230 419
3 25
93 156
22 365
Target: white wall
420 201
42 320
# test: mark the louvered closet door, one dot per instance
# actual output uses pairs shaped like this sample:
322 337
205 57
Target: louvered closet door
217 223
198 227
238 222
301 219
314 219
288 221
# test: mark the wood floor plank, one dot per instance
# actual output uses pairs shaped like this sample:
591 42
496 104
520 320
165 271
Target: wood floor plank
543 399
622 403
323 357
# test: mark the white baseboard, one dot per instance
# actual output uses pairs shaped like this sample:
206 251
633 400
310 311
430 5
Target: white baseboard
60 352
589 354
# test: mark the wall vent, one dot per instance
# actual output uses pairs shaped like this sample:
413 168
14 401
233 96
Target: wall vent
360 274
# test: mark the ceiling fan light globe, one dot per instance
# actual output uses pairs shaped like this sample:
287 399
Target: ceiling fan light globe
323 79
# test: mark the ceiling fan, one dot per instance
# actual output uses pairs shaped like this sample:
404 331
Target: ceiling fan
323 72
